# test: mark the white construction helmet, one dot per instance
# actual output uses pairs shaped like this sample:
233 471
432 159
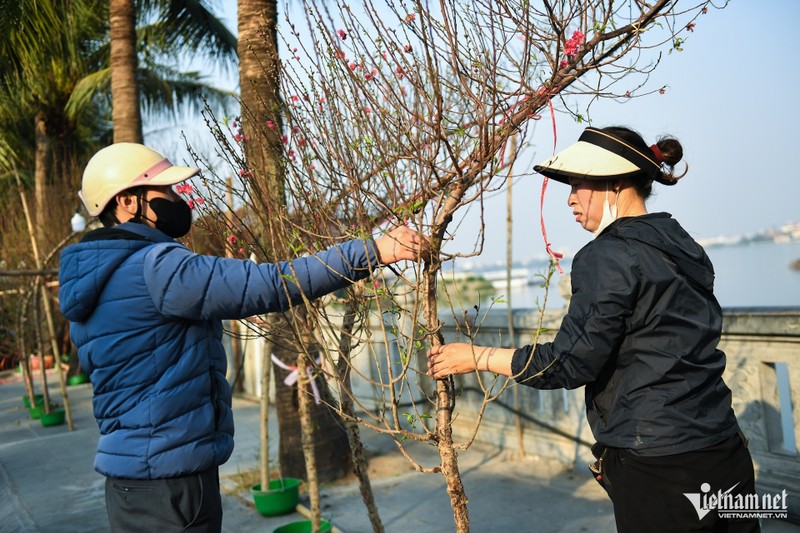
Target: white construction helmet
123 166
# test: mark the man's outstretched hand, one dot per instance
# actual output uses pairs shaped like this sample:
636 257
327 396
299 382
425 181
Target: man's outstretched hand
400 244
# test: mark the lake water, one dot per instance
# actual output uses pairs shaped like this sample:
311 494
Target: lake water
755 275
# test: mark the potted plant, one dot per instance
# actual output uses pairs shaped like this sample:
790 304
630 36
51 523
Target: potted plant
281 494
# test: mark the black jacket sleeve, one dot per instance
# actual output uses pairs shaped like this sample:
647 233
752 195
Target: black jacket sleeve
605 283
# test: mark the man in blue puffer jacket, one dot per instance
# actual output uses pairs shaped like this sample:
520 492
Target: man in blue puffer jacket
146 316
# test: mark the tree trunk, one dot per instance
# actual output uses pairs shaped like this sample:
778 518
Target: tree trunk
445 403
360 466
259 86
308 433
41 171
125 113
331 448
259 80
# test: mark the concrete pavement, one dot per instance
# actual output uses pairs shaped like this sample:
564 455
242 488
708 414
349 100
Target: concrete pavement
48 484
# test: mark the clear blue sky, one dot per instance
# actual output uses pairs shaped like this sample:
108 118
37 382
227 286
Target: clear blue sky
730 98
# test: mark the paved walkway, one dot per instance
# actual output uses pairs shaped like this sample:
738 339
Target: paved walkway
47 482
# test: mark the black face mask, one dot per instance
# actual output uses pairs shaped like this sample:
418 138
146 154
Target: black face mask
174 218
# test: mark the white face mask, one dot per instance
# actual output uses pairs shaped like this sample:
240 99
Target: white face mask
609 214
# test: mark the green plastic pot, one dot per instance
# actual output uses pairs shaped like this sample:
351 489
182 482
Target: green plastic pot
38 399
36 412
302 526
281 498
77 379
54 418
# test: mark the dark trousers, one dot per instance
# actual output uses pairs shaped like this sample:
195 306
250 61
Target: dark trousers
648 493
190 503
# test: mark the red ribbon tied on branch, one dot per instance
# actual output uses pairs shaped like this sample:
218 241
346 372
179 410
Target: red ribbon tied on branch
555 256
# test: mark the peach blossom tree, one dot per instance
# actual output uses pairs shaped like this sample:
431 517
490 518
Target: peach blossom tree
403 113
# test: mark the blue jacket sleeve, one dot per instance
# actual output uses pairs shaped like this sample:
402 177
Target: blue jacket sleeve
198 287
604 289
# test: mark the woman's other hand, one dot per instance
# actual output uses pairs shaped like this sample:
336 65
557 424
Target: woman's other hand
462 358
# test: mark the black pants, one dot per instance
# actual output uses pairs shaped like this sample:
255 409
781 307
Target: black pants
648 493
190 503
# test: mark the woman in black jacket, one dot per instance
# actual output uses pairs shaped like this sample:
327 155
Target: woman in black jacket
641 335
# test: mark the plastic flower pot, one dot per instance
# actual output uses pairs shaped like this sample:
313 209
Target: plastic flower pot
54 418
38 399
36 411
281 498
302 526
77 379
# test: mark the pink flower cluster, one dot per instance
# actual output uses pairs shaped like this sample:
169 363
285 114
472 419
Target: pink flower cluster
194 202
571 46
185 188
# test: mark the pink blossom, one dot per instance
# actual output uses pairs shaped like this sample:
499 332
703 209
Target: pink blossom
199 201
241 251
190 203
284 139
238 137
662 90
342 34
376 284
563 63
571 46
407 48
340 54
232 239
271 125
352 66
410 17
295 98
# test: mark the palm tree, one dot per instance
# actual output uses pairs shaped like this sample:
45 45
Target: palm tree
43 132
125 111
163 27
259 80
54 88
55 105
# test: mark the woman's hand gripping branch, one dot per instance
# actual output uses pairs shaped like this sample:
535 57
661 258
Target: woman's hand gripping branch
462 358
